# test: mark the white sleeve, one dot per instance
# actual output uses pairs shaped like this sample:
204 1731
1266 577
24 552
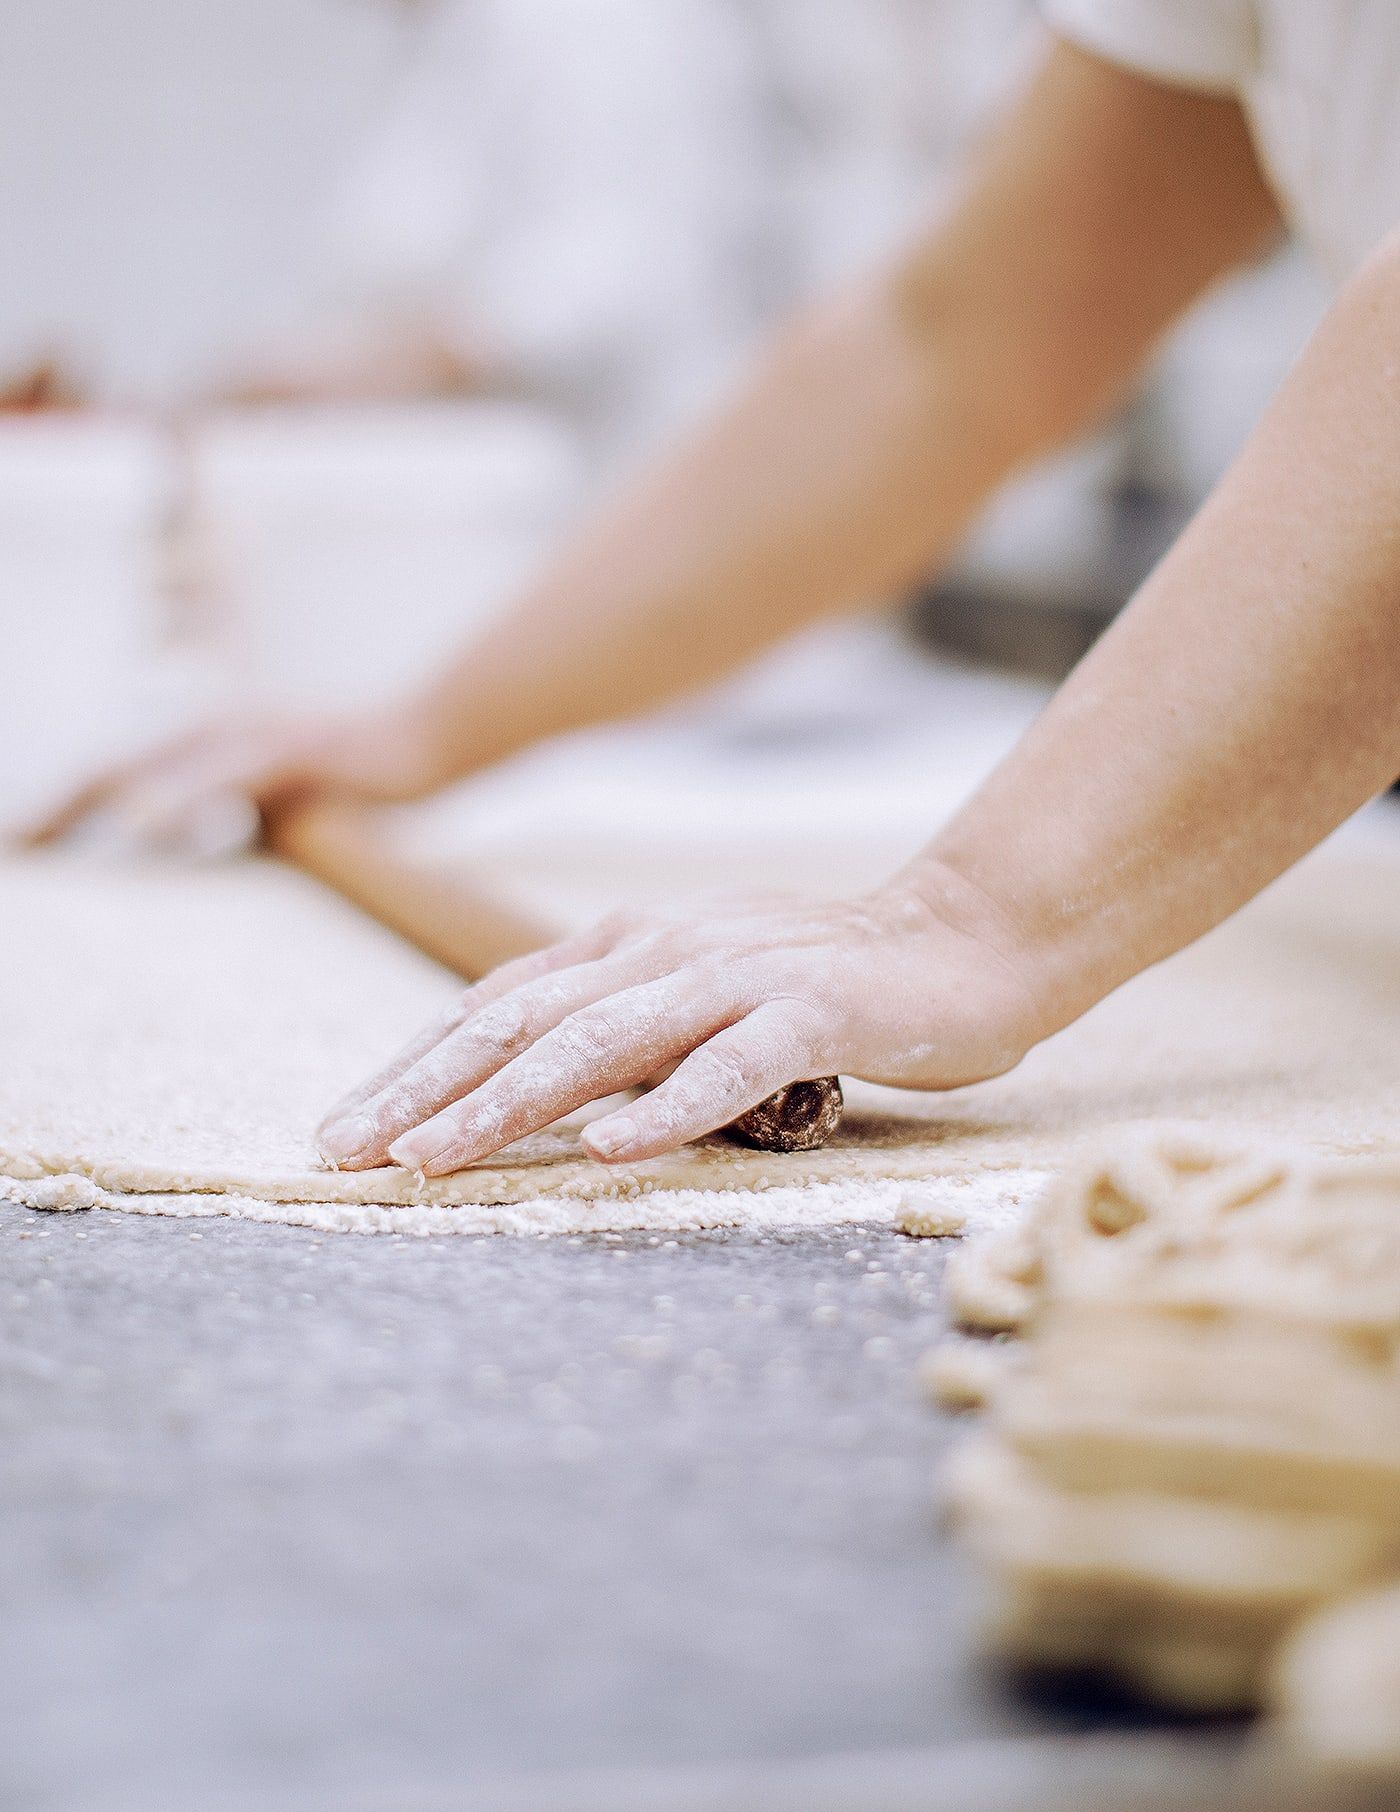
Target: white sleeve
1210 44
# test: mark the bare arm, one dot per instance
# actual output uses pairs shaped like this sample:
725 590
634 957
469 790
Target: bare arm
1097 209
1247 701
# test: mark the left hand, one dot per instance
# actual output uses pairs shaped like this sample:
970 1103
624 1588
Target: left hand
164 796
918 985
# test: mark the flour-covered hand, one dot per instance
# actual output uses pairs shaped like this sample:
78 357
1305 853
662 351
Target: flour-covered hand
917 984
165 795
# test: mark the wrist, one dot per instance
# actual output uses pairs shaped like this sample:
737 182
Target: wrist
429 739
392 751
1014 958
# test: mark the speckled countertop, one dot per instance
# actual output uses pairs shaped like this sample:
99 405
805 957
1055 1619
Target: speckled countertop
288 1519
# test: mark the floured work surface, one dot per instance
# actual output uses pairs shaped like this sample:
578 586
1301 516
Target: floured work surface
171 1037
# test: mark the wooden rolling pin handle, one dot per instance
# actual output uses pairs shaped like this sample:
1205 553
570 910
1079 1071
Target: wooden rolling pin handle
470 931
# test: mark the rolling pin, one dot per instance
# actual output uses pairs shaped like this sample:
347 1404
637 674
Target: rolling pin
469 930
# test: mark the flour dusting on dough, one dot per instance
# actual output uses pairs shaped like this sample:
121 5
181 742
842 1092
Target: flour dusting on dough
172 1037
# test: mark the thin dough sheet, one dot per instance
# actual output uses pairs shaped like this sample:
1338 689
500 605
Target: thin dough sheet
171 1037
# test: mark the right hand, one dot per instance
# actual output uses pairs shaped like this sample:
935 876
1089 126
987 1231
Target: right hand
922 984
168 795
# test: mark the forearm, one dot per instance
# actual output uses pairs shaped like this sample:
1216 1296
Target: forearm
1245 704
1095 212
851 462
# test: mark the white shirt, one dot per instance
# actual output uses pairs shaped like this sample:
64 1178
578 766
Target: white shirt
1319 81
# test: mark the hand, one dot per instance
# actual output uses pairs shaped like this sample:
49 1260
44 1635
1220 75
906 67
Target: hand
266 761
914 985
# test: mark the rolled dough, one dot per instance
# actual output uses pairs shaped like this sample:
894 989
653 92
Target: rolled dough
171 1037
1198 1443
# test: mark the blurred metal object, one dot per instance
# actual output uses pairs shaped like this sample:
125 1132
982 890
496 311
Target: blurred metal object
1046 634
1010 633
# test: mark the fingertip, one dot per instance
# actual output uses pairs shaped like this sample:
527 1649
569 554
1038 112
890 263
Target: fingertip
372 1159
611 1139
343 1142
417 1154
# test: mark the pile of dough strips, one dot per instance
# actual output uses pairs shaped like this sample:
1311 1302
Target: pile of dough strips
1189 1470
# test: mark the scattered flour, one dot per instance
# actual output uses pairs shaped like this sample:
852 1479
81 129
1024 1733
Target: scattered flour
985 1203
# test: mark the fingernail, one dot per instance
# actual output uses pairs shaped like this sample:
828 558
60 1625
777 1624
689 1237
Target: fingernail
415 1155
346 1138
608 1137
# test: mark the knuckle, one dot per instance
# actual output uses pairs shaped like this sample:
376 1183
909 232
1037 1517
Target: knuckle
662 948
561 954
729 1072
590 1035
504 1026
803 1023
713 973
461 1009
617 926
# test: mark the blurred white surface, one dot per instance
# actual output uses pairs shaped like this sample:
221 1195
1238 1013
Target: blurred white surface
351 547
615 193
612 198
160 163
81 503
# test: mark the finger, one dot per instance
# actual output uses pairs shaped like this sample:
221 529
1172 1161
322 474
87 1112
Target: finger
597 1050
463 1060
201 794
779 1042
174 807
57 820
191 823
154 798
336 1146
583 947
500 982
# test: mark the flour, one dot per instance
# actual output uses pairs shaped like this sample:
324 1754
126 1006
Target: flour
657 1211
169 1039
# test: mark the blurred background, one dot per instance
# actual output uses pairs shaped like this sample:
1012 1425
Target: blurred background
322 319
